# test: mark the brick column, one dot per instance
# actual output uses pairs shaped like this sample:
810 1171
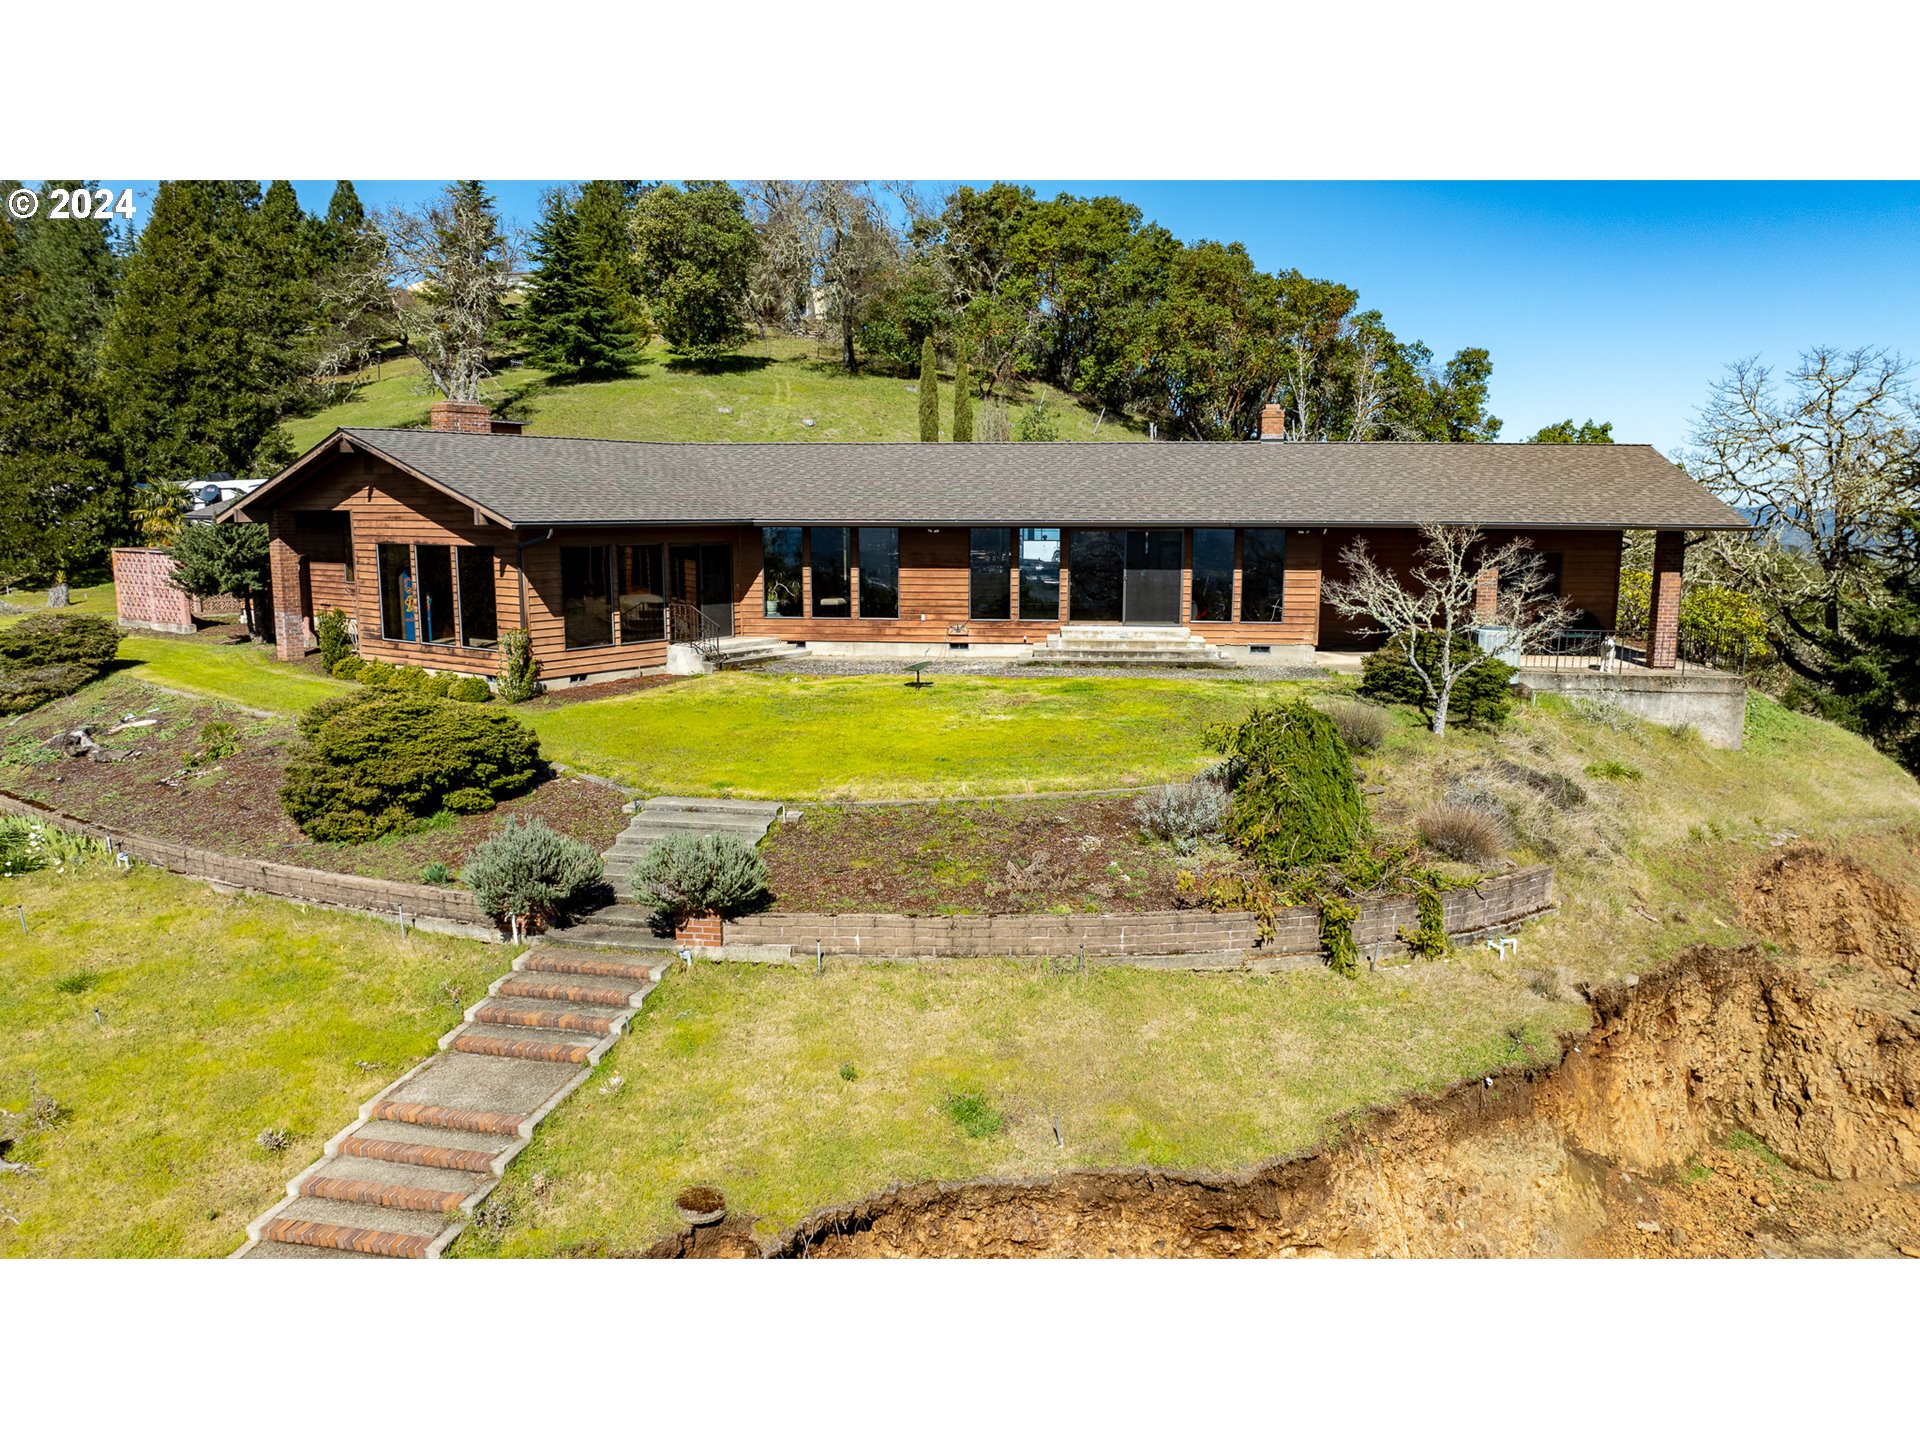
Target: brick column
289 621
1663 613
1486 595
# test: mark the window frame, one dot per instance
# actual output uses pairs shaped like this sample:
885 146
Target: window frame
406 593
846 591
1005 607
862 571
1193 574
1036 532
424 600
1246 589
484 555
607 582
799 564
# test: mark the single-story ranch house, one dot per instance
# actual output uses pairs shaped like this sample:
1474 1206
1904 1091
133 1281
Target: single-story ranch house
433 541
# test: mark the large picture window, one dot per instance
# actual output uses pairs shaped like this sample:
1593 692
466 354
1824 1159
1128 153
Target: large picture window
396 592
1213 574
479 623
1040 574
990 562
1096 578
780 573
437 614
1263 574
879 573
643 614
586 595
832 574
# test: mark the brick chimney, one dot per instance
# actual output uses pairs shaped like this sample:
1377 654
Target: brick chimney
1273 422
462 417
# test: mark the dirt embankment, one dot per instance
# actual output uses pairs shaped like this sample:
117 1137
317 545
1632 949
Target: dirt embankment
1732 1104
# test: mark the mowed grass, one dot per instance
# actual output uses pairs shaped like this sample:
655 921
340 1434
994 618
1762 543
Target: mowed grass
244 674
734 1077
220 1016
770 389
788 737
82 600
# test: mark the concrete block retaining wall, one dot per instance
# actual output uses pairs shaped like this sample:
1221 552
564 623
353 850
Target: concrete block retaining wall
440 907
1496 902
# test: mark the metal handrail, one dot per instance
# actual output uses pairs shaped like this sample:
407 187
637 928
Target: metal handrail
688 624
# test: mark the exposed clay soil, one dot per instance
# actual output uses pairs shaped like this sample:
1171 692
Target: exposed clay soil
166 783
998 857
1732 1105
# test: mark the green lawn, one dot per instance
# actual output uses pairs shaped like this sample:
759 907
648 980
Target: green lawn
733 1078
244 674
83 600
219 1016
770 388
873 737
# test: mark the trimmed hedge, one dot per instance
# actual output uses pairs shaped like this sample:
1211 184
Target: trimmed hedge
49 655
527 870
1482 696
701 875
413 679
1295 801
376 762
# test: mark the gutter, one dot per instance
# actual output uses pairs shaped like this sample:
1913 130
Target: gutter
520 565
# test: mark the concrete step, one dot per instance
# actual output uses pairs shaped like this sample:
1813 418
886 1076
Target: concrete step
427 1146
564 960
575 1017
447 1117
633 916
571 989
714 805
592 936
520 1042
357 1180
280 1250
658 824
366 1229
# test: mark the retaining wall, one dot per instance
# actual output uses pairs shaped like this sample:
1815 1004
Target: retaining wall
1494 903
1713 703
440 907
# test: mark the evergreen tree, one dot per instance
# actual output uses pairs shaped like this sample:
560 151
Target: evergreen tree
75 270
604 210
353 315
696 252
346 216
929 391
962 394
196 366
571 322
62 500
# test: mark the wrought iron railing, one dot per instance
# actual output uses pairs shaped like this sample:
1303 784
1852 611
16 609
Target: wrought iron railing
688 624
1603 650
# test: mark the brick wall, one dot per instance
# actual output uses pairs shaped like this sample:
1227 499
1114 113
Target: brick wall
1663 611
1494 903
142 595
287 882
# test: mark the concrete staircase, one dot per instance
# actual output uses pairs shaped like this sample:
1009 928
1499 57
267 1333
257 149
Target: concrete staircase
402 1181
667 815
1128 645
741 652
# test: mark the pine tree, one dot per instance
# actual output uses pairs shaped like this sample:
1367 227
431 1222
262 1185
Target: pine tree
571 322
62 499
196 367
75 270
929 392
354 316
962 395
605 214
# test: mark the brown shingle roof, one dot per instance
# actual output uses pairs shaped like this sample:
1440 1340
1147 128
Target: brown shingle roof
543 480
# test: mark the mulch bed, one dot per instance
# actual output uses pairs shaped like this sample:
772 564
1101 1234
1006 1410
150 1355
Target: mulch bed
1004 857
600 690
167 786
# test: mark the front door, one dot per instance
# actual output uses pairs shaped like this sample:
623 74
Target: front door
703 575
1153 577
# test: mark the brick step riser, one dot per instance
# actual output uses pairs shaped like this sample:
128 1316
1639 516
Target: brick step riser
388 1197
522 1017
548 1051
447 1117
322 1236
428 1157
638 975
578 993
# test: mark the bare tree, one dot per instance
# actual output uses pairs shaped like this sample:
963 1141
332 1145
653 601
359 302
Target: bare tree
451 266
1440 597
858 250
780 290
1824 465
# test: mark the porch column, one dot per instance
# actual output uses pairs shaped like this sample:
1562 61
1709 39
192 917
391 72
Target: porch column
1663 611
289 621
1486 595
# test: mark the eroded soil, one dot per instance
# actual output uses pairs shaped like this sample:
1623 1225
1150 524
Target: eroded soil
1735 1104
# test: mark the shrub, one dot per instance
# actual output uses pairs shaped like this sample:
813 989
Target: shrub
471 690
436 874
336 644
1182 815
1482 696
700 875
1462 832
376 672
437 686
218 740
348 667
1295 801
1715 621
519 671
378 763
47 656
528 870
1363 727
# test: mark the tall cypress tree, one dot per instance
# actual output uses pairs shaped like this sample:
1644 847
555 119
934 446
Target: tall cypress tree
962 394
929 392
195 366
572 322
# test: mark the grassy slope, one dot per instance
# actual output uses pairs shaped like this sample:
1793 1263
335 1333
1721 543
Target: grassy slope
792 738
771 388
244 674
221 1016
733 1076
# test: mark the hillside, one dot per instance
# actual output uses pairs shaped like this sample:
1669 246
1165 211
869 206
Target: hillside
764 393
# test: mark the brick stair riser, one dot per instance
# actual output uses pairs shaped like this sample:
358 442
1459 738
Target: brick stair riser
428 1157
533 1018
347 1237
641 976
391 1197
579 992
446 1117
547 1051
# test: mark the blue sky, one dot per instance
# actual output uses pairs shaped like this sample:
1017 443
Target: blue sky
1618 301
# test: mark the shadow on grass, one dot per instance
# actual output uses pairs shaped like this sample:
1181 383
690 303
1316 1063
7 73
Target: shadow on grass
721 365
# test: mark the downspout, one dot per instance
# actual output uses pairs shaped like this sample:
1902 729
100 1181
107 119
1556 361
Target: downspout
520 564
